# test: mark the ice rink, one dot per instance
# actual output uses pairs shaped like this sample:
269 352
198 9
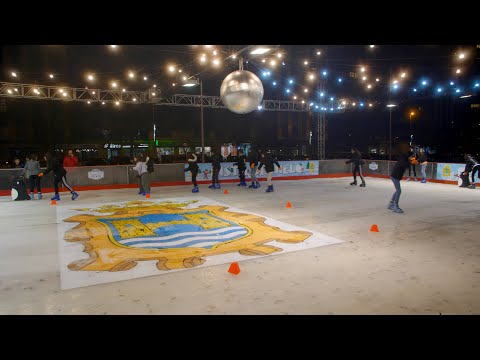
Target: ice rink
425 261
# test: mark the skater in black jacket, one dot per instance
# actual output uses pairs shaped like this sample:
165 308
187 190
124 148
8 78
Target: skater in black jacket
241 163
357 162
397 174
253 160
59 175
193 168
472 166
269 161
216 161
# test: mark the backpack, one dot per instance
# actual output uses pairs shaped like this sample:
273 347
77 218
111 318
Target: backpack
150 167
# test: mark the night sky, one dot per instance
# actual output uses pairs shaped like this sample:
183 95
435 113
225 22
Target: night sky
443 120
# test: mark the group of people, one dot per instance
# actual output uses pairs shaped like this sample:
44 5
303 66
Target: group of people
34 174
407 160
256 161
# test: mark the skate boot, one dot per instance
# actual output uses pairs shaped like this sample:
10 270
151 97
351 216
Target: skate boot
397 209
243 183
415 179
408 179
74 195
252 186
56 197
40 196
270 188
354 182
257 185
217 186
391 206
31 196
141 193
212 186
423 181
362 184
195 189
471 186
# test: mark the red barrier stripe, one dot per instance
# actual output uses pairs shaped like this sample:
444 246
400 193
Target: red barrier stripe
177 183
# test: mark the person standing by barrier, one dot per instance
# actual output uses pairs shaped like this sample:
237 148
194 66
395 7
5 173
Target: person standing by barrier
70 160
141 169
216 161
193 168
253 160
396 176
269 161
472 166
413 162
241 167
32 169
423 163
149 163
357 162
59 175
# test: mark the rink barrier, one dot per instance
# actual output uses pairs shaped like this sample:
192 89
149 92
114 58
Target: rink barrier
120 177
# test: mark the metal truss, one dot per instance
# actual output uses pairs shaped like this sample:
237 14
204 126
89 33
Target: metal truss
45 92
321 135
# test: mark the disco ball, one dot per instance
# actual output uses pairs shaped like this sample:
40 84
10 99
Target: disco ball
241 91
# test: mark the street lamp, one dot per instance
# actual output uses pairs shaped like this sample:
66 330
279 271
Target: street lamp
195 82
411 134
390 106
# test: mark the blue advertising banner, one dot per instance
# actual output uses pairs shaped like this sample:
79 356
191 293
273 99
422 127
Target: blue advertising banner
449 171
229 171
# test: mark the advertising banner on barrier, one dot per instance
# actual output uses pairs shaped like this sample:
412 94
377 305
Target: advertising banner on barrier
449 171
230 171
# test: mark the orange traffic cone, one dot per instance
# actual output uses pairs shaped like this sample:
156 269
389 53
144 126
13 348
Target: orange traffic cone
226 191
54 202
289 205
374 228
147 196
234 269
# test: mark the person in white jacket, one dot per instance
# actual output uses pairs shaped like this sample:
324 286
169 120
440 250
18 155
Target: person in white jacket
144 178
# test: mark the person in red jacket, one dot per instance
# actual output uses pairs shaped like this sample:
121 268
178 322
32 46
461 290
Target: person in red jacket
70 160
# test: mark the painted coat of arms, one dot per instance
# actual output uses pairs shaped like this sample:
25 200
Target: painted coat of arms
175 234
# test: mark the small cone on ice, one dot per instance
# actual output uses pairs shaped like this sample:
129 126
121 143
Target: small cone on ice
54 202
234 269
374 228
226 191
147 196
289 205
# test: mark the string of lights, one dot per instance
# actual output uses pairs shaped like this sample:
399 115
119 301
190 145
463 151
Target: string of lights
340 80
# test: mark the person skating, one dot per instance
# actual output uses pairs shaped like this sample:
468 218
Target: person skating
472 166
253 160
241 164
423 162
142 175
397 174
59 175
216 161
269 161
413 162
357 162
32 169
193 168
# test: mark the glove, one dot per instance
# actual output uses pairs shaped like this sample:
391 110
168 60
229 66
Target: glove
40 174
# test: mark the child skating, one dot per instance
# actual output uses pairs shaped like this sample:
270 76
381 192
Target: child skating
31 170
216 160
397 174
357 162
269 161
241 164
193 168
253 160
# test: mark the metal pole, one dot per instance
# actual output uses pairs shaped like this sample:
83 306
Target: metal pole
390 152
201 121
